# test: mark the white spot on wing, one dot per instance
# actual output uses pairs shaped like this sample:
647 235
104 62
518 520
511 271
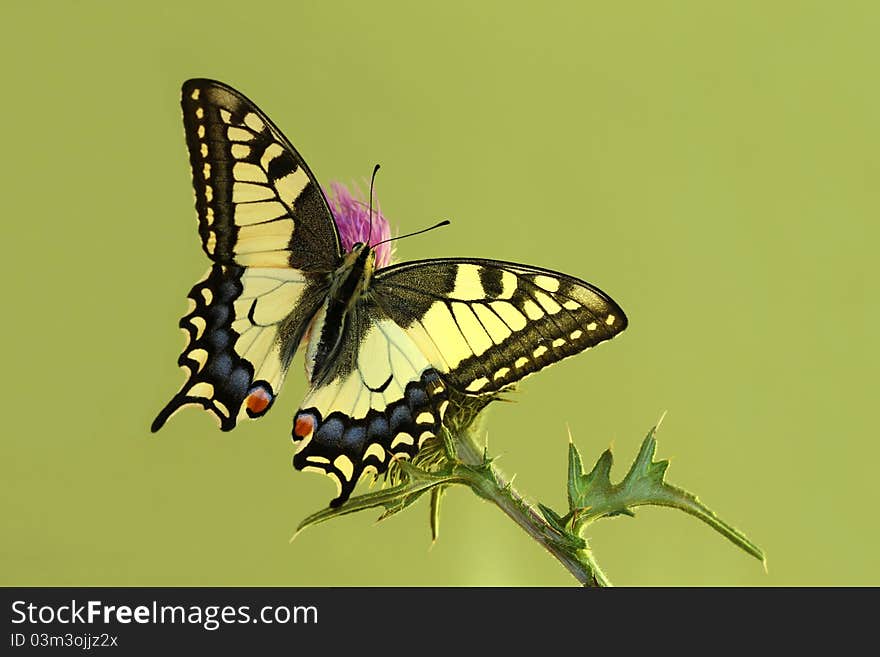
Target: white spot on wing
221 407
345 466
200 356
402 438
547 282
501 373
254 122
240 151
199 324
238 134
477 384
375 449
202 389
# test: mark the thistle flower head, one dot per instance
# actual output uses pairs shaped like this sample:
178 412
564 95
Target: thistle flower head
352 215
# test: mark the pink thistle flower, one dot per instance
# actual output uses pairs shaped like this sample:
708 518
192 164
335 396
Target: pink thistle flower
352 215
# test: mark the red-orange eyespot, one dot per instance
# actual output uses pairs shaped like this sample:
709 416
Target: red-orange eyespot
258 401
303 426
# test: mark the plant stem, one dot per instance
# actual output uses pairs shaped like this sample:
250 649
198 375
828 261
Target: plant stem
490 484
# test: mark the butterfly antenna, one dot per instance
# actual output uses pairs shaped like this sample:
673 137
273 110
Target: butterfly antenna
372 180
445 222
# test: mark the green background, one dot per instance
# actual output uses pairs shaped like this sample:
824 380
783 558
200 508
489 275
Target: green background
713 166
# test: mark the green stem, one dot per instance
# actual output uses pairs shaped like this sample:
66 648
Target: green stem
490 484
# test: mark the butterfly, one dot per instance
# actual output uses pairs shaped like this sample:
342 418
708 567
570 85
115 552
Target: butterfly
386 348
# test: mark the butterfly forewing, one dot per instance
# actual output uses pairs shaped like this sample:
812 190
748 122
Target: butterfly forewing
485 324
257 201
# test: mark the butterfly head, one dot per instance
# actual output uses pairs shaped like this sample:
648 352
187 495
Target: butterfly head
364 255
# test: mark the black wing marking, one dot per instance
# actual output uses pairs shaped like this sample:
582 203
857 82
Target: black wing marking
242 333
258 203
485 324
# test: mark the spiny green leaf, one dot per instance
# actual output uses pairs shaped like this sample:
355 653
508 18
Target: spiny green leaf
564 538
593 496
576 489
436 496
552 518
394 499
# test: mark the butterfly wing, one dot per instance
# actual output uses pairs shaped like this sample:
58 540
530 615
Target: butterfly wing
486 324
474 325
258 203
266 226
382 402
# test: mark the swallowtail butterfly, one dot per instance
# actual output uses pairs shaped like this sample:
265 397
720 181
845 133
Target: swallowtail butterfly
384 347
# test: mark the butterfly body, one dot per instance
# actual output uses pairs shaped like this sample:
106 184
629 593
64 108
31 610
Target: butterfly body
385 346
348 285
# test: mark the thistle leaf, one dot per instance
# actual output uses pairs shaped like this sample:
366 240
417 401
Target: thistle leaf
552 518
436 496
593 496
394 499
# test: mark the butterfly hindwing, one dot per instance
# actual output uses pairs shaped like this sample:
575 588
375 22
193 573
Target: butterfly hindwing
242 332
383 401
258 203
486 324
